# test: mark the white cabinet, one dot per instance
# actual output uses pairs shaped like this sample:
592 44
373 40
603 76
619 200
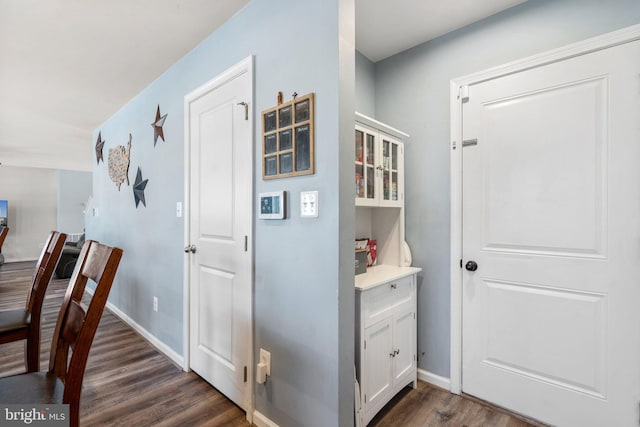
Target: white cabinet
386 335
379 164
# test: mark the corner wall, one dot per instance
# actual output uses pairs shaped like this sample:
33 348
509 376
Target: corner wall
31 193
298 279
412 94
365 85
74 191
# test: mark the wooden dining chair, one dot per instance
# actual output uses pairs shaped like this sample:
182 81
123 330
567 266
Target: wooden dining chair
75 329
24 323
3 234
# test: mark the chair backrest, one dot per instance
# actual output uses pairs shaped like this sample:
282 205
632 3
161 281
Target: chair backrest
44 270
76 325
3 233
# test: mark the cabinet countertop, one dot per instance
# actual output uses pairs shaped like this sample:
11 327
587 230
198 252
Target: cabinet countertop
380 274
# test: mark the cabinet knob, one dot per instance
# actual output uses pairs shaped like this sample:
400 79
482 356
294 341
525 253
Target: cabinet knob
394 286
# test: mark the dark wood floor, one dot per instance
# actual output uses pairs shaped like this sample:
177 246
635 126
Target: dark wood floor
129 383
432 406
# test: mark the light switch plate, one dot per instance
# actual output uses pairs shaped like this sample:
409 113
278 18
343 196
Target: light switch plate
178 209
309 204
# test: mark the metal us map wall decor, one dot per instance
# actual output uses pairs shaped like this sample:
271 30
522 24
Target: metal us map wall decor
288 138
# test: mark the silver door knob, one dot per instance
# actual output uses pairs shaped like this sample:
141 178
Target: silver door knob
190 248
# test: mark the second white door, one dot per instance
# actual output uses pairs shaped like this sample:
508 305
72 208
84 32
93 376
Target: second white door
220 223
551 240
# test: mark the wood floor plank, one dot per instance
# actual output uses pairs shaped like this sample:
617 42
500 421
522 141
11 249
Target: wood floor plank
430 406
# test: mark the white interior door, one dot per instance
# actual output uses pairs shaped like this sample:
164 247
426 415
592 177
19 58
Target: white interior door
220 223
551 217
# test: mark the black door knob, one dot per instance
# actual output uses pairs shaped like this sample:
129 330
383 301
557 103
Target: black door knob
471 266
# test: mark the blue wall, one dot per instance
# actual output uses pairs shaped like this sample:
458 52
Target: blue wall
299 276
412 93
365 85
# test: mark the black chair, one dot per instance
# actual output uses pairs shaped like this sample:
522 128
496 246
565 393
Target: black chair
69 257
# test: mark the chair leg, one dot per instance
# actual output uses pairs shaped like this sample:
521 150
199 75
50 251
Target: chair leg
74 414
32 355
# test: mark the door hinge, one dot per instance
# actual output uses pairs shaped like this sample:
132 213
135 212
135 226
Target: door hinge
245 374
246 109
365 398
246 243
453 145
463 93
469 142
414 315
460 262
365 344
414 357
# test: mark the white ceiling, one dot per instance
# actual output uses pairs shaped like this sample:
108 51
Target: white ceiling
384 27
68 65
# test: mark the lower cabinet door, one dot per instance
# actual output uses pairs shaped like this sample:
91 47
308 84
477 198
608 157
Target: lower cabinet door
377 382
404 338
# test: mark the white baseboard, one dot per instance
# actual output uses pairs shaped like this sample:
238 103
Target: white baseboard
159 345
10 260
434 379
262 421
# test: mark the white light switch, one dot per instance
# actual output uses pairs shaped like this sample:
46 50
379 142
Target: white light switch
178 209
309 204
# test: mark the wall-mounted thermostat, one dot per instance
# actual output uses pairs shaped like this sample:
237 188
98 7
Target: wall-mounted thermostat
272 205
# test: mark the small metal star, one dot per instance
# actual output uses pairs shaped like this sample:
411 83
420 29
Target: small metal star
99 147
138 189
157 126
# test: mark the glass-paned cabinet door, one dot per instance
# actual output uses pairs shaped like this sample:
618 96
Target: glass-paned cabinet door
365 166
390 170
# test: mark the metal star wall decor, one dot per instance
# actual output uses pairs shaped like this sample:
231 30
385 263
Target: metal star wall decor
138 189
99 147
157 126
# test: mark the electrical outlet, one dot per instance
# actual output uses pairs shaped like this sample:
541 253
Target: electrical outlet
155 303
265 357
178 209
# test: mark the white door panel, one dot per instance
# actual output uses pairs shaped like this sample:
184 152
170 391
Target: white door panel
216 172
379 367
550 215
220 224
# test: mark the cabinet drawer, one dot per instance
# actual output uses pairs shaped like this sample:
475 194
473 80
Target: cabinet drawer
381 300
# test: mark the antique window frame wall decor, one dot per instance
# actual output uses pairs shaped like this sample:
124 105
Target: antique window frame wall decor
288 139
